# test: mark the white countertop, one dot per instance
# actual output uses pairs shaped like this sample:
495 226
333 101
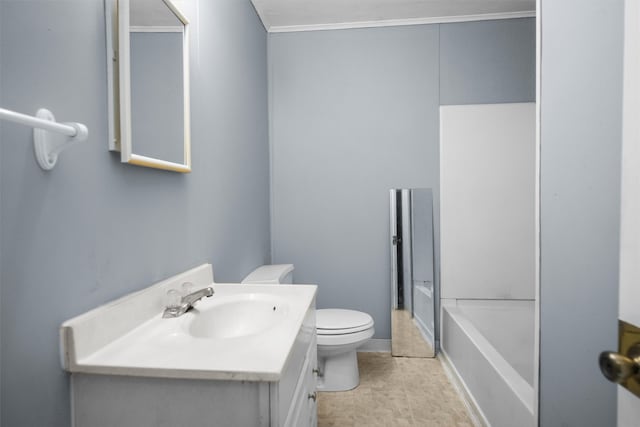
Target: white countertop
110 341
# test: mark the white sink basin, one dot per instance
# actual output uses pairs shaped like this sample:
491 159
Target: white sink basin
234 335
236 316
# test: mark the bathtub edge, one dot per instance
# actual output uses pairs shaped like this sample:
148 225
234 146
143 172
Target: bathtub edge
475 413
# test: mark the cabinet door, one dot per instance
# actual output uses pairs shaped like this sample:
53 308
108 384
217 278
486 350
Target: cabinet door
303 408
311 380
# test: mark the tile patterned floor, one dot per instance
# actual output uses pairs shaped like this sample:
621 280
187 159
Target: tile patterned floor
395 391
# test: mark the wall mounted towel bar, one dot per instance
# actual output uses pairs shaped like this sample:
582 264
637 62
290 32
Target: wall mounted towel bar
49 137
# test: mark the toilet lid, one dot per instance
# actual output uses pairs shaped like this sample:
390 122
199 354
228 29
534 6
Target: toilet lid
335 321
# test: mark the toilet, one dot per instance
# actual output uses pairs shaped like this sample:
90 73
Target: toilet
340 333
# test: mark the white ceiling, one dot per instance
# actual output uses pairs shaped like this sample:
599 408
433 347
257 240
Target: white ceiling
301 15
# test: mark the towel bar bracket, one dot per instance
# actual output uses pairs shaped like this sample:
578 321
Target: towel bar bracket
49 137
49 145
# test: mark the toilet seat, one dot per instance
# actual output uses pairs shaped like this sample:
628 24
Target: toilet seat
335 321
328 341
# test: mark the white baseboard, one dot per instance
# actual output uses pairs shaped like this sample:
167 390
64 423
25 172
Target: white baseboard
477 418
376 345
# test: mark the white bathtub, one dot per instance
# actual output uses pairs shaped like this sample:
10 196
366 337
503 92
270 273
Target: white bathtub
490 347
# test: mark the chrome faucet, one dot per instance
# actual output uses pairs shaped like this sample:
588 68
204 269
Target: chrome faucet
186 303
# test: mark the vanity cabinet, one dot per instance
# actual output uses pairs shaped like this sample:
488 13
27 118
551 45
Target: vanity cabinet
294 397
246 357
147 401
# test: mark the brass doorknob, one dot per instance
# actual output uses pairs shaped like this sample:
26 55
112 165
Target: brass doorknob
618 368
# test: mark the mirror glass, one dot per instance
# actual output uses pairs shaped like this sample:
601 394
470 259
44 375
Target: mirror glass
413 331
153 77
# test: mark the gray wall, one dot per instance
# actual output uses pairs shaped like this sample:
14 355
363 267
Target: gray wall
580 205
354 113
93 229
486 63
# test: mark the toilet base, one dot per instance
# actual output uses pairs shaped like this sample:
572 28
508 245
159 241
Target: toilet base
338 372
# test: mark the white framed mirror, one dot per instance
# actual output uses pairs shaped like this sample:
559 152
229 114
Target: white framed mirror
148 48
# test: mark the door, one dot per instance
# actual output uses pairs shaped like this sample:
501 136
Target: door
400 227
629 290
407 256
396 249
629 404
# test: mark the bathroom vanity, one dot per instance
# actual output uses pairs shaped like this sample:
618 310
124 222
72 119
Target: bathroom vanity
244 357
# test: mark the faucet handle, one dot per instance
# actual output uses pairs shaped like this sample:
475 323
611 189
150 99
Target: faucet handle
173 298
186 288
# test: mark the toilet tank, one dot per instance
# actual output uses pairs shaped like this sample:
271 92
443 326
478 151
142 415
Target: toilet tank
272 274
